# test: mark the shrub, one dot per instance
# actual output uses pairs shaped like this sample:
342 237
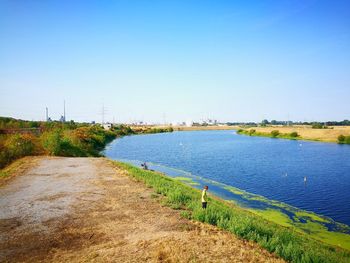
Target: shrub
341 138
318 125
344 139
20 145
70 148
275 133
294 134
251 132
16 146
51 141
158 130
347 140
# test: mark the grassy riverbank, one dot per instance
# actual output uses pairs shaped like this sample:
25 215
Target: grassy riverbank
283 241
336 134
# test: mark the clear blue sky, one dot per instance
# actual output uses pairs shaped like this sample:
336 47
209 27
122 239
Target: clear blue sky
182 60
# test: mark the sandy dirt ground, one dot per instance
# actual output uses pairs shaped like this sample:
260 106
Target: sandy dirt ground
86 210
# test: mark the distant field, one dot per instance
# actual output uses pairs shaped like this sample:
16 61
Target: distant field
306 132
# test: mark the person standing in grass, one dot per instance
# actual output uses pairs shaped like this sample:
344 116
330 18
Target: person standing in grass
204 197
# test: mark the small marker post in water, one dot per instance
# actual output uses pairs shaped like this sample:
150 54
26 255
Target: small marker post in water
304 179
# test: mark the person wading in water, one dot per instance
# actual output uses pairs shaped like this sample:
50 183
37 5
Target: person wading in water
204 197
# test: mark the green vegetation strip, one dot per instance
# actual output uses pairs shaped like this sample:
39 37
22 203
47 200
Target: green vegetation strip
272 134
19 138
315 226
284 242
344 139
303 221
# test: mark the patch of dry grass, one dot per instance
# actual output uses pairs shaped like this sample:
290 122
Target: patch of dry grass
18 167
307 133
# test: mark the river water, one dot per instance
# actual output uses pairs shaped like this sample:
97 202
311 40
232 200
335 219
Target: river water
311 176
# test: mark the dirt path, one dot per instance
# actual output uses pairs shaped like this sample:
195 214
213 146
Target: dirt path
85 210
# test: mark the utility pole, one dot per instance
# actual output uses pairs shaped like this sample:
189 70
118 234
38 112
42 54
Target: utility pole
164 119
103 113
47 114
64 110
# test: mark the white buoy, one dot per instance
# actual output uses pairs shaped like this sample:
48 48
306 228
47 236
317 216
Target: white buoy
305 179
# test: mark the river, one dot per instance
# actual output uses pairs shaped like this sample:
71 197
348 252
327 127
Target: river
306 175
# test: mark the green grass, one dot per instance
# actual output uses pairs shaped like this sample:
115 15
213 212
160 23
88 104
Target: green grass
283 241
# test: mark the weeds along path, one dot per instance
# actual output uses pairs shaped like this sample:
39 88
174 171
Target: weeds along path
84 209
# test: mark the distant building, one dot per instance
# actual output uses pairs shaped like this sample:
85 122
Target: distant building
189 123
208 122
107 126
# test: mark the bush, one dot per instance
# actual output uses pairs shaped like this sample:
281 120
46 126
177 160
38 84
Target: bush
70 148
20 145
52 141
251 132
92 139
318 125
344 139
275 133
158 130
341 138
294 134
16 146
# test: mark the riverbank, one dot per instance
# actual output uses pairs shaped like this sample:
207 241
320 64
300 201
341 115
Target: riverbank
302 132
88 202
283 241
204 128
59 209
194 128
